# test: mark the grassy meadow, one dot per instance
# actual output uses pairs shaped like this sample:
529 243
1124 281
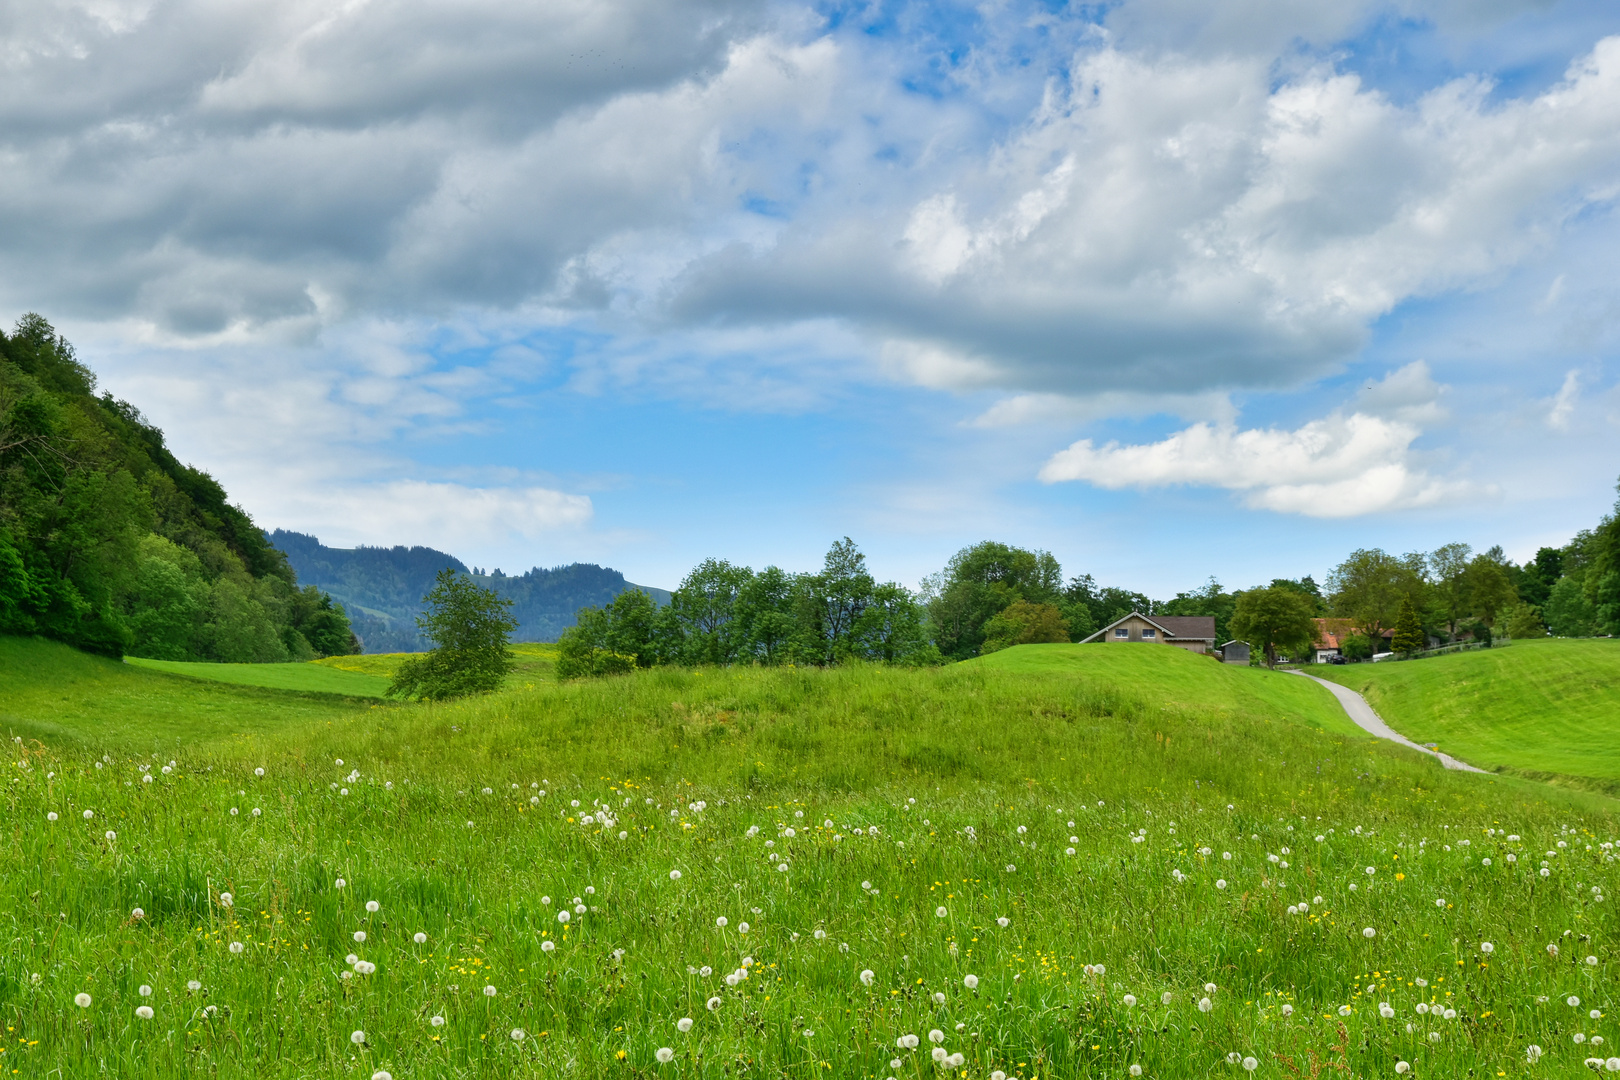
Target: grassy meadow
1057 861
1549 709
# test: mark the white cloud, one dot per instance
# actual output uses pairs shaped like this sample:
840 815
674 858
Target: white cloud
1338 466
1562 406
1024 409
451 517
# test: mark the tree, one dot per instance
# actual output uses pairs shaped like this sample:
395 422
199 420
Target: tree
1369 586
1274 618
1024 623
1568 612
764 616
892 629
1523 621
1449 565
1408 637
1540 575
980 581
827 606
1489 588
469 627
703 610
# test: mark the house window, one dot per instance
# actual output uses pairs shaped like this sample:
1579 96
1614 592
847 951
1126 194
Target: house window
1122 633
1147 634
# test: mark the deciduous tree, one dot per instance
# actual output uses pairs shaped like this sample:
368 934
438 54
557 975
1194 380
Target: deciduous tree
1274 618
469 626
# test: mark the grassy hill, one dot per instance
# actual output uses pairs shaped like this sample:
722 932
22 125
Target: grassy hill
1544 709
1064 860
1182 680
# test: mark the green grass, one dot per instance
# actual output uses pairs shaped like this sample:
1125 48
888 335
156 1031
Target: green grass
535 661
312 678
1180 679
1543 709
952 788
49 691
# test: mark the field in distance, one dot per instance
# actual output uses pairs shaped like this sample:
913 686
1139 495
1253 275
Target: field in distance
354 676
1056 861
1543 709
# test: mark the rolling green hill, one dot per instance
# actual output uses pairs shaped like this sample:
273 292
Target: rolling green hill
1180 679
310 677
1060 860
1543 709
54 692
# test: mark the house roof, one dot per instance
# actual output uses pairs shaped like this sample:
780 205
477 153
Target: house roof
1200 627
1331 633
1175 627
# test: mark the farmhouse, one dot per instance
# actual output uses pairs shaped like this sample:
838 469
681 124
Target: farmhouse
1195 633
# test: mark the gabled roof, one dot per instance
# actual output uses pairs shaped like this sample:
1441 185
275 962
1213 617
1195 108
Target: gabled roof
1184 627
1177 627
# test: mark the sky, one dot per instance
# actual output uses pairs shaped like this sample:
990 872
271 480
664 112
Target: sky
1170 289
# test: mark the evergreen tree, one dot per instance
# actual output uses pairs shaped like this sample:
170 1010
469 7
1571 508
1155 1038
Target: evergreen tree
1408 636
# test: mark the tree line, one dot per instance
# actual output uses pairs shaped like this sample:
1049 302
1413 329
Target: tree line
110 544
992 596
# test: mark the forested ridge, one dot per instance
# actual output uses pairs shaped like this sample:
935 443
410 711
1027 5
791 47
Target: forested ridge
110 543
381 588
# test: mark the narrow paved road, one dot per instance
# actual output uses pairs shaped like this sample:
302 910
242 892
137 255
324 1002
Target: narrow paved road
1369 721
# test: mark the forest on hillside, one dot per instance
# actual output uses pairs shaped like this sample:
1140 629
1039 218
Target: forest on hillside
111 544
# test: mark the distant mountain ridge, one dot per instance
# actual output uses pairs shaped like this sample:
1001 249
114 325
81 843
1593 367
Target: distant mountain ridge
382 589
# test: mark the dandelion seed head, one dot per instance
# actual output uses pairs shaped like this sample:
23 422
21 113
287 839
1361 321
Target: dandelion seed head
665 1055
356 1037
82 1000
684 1024
489 991
144 1012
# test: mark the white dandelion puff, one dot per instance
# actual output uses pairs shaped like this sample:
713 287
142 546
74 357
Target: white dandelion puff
970 981
357 1037
82 1000
489 991
144 1012
867 976
684 1024
665 1055
419 937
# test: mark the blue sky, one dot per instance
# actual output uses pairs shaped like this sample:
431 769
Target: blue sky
1171 289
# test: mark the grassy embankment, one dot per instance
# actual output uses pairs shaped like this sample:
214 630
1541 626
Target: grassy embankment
1549 710
353 676
1089 796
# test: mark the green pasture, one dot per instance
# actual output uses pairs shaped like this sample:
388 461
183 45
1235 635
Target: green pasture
312 678
1181 679
52 692
1544 709
1146 822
